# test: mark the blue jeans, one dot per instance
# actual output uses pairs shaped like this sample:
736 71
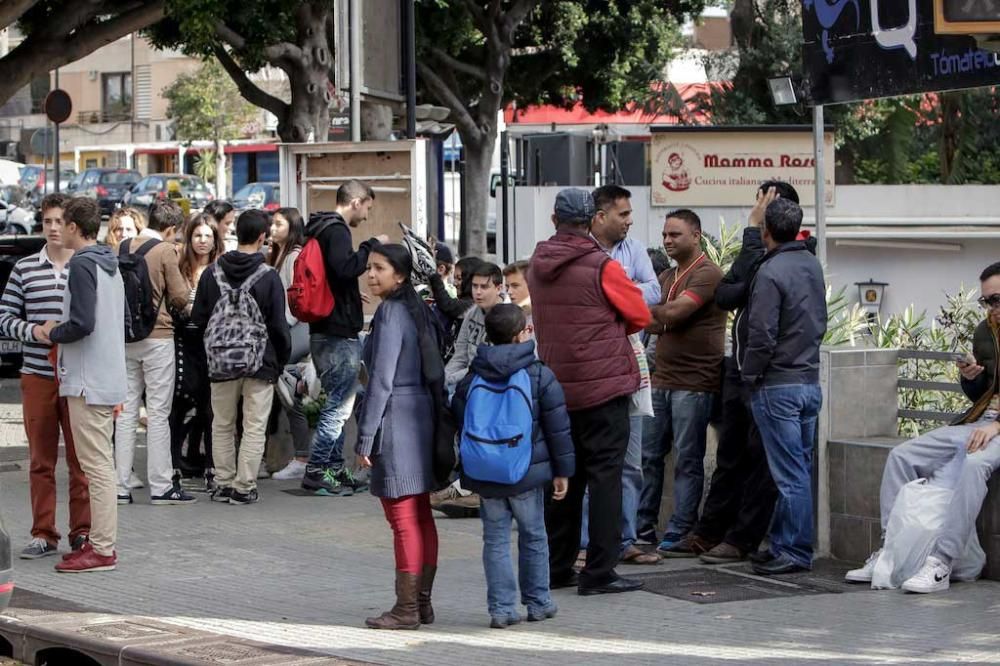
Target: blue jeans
680 422
631 488
786 417
528 509
337 361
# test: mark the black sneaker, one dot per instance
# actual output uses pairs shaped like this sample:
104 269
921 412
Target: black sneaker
349 483
210 480
647 537
250 497
173 496
78 542
125 499
322 481
221 494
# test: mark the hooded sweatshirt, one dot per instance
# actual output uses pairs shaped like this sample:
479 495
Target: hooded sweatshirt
91 337
552 446
583 308
343 268
270 296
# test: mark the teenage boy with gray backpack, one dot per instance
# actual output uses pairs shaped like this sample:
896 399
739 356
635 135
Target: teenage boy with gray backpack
514 442
240 305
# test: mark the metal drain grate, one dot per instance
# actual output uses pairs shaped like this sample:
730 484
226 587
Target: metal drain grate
713 586
716 585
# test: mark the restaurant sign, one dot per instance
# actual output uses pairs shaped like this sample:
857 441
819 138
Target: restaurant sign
724 166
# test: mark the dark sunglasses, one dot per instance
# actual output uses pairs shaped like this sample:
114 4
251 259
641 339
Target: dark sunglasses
991 301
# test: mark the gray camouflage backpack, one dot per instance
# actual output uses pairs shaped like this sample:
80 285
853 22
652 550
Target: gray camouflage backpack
236 335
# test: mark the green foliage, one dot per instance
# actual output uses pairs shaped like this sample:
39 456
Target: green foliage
950 331
603 53
204 165
191 26
205 105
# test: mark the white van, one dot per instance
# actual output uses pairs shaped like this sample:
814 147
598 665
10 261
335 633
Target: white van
10 172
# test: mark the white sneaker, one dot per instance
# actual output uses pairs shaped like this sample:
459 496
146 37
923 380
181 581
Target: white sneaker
932 577
293 470
134 481
865 573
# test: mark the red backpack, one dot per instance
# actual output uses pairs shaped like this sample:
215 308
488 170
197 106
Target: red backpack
309 295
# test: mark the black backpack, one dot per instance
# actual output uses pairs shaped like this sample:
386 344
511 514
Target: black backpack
140 310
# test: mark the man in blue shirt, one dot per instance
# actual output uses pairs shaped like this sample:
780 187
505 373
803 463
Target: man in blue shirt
610 229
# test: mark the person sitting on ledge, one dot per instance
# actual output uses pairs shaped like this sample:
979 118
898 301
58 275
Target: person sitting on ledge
961 456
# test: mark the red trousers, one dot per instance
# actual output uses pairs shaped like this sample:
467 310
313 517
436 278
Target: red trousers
44 412
414 534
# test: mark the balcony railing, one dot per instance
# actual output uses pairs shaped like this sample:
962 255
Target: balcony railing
107 116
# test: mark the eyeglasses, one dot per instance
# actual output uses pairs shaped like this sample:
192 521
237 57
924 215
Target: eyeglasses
990 302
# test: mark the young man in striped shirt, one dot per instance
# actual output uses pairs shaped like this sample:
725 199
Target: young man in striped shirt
33 295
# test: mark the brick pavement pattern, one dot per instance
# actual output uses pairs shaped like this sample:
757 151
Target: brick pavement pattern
306 571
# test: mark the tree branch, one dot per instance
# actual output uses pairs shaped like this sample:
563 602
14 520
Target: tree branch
478 15
457 65
463 119
42 51
12 10
283 55
515 15
250 91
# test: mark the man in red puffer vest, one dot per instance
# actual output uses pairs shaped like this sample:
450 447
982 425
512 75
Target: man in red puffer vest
584 306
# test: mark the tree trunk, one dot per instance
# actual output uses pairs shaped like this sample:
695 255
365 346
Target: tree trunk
308 115
950 129
475 203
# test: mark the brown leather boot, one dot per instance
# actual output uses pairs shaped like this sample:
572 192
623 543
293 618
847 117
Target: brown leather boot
405 614
426 584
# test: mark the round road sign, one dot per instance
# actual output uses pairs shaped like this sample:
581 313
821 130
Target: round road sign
58 106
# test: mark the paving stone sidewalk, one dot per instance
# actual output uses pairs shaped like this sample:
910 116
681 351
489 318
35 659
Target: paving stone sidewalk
306 571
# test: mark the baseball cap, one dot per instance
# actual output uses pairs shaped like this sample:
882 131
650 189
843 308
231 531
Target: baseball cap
574 204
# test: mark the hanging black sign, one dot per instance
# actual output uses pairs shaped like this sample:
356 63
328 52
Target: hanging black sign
864 49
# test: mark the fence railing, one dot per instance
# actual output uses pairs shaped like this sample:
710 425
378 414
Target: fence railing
923 385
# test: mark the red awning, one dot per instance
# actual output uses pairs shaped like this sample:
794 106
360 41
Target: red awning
578 114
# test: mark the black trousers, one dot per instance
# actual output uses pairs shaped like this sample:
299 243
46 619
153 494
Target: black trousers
196 430
600 438
742 495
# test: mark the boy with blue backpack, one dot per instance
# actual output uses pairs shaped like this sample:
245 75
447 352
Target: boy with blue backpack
514 441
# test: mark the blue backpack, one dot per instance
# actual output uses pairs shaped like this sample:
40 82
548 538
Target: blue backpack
496 441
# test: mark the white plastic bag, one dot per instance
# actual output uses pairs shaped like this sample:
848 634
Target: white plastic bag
917 516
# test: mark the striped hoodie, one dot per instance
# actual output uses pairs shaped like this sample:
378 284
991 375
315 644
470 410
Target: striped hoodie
33 295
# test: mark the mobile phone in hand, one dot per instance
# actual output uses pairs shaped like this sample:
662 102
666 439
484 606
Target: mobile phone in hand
961 359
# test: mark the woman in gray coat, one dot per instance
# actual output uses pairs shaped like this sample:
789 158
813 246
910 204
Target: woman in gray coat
396 430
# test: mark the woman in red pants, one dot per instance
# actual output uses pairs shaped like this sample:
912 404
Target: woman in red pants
396 430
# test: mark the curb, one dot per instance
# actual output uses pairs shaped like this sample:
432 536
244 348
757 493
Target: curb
37 635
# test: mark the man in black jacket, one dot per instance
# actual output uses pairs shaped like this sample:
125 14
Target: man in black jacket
786 322
237 478
741 495
334 344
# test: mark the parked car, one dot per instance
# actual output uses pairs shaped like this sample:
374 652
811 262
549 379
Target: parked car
160 186
13 248
39 181
262 196
17 214
107 186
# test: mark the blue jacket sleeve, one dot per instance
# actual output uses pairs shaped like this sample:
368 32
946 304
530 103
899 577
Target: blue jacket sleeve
387 341
82 286
764 318
555 424
645 278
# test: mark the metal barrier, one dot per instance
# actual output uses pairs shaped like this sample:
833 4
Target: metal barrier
919 414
